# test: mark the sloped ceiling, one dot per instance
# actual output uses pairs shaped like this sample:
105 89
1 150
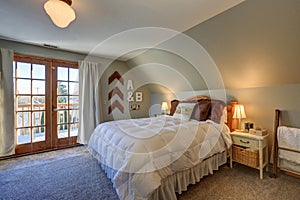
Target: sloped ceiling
26 21
255 44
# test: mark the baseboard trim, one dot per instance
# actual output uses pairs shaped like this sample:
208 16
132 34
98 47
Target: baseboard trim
43 151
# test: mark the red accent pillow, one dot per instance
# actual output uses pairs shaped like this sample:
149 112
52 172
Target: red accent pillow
174 104
201 110
217 108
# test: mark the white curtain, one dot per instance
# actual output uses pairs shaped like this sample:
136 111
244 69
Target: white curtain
7 134
90 114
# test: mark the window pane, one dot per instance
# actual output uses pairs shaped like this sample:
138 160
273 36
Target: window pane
23 103
62 102
62 116
62 73
38 118
38 87
73 74
74 102
23 119
23 86
62 88
38 71
23 70
23 136
38 134
74 130
62 131
38 103
74 88
74 116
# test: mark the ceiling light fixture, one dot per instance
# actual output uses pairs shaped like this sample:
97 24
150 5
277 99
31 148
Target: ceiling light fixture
60 12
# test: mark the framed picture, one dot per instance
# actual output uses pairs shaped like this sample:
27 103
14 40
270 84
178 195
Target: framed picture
134 106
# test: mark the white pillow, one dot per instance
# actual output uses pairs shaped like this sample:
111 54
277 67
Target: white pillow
224 116
184 111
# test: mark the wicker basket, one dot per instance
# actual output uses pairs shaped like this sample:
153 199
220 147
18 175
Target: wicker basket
245 156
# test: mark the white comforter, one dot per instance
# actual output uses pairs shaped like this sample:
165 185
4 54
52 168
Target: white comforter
142 152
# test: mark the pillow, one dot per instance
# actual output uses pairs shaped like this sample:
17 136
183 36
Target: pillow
174 104
224 116
201 110
217 110
184 111
194 99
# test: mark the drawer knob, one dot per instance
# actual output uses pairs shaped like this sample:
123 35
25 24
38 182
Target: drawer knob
246 142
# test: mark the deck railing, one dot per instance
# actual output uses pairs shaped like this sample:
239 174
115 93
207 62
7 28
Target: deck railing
38 110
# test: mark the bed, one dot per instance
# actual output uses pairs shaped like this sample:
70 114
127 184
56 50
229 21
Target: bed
286 148
153 158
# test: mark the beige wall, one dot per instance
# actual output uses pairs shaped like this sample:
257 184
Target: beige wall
254 44
260 105
176 63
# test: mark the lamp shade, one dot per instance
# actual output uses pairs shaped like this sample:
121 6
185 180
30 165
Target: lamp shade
164 106
60 12
239 112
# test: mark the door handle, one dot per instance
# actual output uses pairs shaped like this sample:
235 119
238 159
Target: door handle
55 109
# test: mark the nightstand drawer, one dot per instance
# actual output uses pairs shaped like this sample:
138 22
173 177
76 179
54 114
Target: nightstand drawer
245 142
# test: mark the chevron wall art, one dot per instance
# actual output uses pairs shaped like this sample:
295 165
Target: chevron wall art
115 104
115 91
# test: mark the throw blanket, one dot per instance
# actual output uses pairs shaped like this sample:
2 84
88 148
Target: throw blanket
289 138
142 152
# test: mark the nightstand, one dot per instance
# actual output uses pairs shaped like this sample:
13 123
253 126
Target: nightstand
250 150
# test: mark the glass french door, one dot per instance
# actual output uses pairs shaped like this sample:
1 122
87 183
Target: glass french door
46 103
65 105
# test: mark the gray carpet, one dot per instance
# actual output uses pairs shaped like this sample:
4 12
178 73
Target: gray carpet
77 177
73 174
242 182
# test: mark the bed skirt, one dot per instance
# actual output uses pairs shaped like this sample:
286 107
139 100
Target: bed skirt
179 181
